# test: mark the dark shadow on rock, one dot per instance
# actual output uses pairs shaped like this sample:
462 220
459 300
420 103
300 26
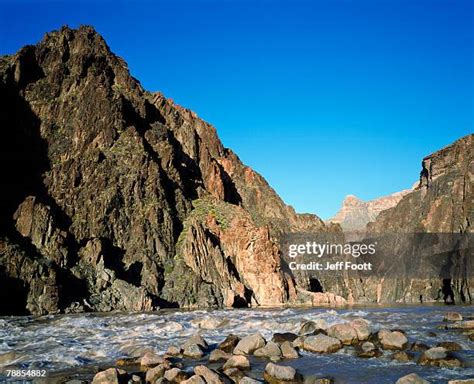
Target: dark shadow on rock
448 293
315 285
187 167
23 153
71 288
161 303
231 195
141 123
113 259
243 302
13 295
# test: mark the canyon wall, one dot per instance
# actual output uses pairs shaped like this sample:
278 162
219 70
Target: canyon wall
442 204
115 198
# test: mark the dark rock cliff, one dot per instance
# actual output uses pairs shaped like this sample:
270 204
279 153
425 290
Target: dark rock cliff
114 198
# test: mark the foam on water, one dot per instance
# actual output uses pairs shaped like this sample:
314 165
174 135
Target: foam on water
65 341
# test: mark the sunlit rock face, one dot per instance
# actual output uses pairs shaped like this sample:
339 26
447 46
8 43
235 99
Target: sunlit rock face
356 213
117 198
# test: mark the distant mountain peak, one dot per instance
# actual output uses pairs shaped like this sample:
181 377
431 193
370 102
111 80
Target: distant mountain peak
355 213
352 200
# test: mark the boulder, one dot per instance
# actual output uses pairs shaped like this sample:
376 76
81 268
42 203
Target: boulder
367 350
195 379
412 378
155 373
449 362
151 359
280 338
198 340
161 380
299 341
362 328
402 356
322 344
219 355
343 332
126 362
450 346
383 332
418 347
175 375
275 374
393 340
229 343
439 357
235 374
237 361
248 380
435 353
309 327
173 351
210 376
193 351
270 350
111 376
452 316
249 344
317 380
288 351
465 324
461 381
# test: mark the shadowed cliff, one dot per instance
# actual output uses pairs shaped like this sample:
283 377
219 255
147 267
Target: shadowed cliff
116 198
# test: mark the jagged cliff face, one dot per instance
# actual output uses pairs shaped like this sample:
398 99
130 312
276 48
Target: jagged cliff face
442 203
116 198
356 213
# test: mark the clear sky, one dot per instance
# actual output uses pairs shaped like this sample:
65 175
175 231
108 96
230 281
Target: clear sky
324 98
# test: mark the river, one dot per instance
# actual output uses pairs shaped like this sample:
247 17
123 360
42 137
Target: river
76 345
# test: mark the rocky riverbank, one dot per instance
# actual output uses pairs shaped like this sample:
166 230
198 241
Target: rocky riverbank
229 361
282 346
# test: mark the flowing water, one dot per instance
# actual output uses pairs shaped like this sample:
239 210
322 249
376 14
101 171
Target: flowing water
78 344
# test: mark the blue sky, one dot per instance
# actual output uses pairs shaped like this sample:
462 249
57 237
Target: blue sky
324 98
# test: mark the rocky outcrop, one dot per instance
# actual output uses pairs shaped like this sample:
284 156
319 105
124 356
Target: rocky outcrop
220 243
21 263
443 203
117 198
356 213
